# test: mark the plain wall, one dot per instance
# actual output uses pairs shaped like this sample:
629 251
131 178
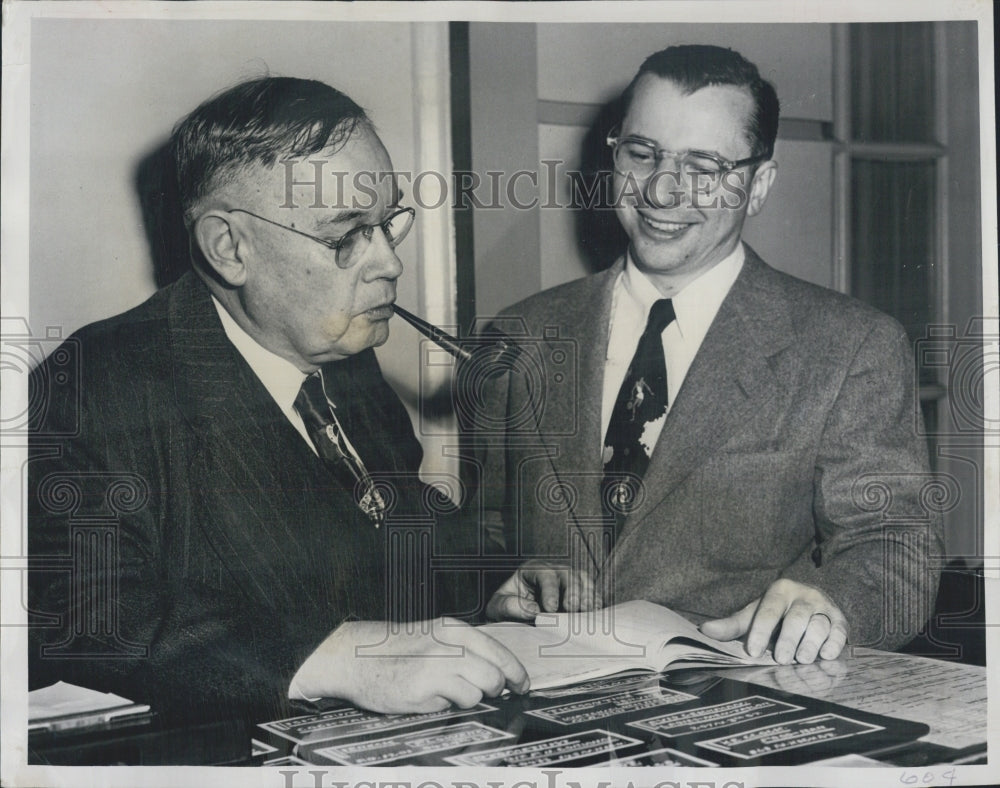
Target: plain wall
504 135
590 63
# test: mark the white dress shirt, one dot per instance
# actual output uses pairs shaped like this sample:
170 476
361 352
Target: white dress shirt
280 377
695 308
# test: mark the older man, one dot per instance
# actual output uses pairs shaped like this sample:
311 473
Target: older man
210 500
730 422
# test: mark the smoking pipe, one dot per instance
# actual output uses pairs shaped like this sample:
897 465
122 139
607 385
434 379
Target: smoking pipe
494 352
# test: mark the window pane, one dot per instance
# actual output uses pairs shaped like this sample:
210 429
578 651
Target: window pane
894 237
892 82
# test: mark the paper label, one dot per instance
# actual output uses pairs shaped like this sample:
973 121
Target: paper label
548 751
412 745
593 709
662 757
789 736
341 723
720 715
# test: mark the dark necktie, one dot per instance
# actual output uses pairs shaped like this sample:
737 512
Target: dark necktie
327 436
642 399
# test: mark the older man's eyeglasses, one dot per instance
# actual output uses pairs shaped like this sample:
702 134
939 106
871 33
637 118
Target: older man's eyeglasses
699 170
351 247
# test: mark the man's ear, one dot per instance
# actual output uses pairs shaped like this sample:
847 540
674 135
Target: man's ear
761 186
221 244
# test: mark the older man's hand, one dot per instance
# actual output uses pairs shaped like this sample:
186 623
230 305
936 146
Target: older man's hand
544 587
427 667
811 624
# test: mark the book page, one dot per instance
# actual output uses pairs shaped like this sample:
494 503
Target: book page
565 648
652 623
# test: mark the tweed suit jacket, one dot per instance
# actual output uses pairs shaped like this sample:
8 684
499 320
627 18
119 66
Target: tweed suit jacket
791 450
231 550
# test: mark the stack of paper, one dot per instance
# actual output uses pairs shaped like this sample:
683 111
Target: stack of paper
63 707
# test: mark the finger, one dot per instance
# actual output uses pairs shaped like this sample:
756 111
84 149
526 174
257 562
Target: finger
458 690
420 695
514 587
579 593
588 591
793 629
837 638
548 582
813 638
432 704
599 594
571 593
483 675
771 610
730 627
494 652
835 668
511 607
606 588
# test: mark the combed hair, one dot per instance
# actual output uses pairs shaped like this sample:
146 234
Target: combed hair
696 66
256 123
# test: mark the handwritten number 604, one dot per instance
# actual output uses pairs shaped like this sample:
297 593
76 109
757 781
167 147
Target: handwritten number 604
908 778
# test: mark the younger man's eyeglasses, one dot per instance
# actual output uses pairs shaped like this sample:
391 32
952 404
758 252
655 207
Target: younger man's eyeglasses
640 158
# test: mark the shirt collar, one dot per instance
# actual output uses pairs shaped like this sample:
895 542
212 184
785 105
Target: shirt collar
280 377
696 305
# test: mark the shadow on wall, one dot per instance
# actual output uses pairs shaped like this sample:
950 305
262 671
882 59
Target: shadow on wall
599 236
162 218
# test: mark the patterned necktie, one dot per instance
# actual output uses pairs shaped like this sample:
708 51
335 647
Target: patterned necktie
641 400
328 437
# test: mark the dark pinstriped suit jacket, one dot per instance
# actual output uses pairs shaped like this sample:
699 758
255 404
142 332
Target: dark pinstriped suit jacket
791 450
235 550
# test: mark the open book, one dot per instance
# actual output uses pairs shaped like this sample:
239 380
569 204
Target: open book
566 648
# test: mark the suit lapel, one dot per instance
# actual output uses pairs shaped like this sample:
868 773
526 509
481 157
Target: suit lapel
209 370
570 421
729 379
252 470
